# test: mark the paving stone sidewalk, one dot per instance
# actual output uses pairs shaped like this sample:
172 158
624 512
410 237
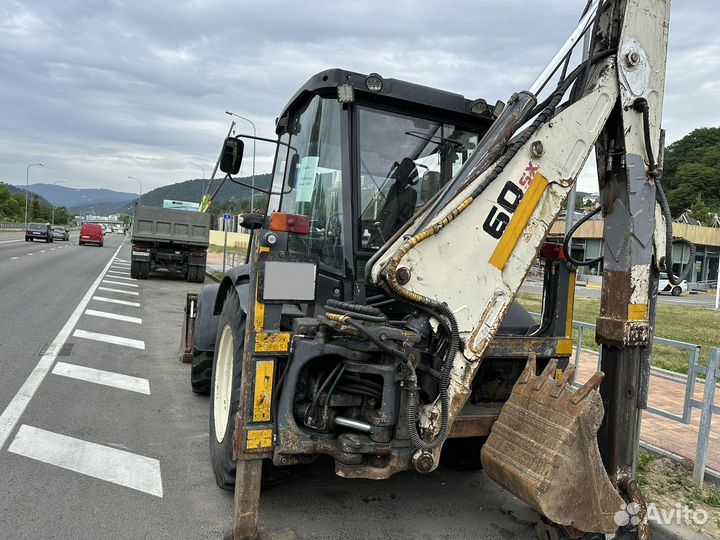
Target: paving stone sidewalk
667 392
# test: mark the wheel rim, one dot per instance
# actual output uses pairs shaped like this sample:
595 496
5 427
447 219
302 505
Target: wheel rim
223 382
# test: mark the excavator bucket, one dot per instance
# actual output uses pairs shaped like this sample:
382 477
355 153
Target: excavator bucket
543 449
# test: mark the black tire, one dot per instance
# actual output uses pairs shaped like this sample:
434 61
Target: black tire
80 243
221 451
135 269
196 274
27 239
191 275
676 291
144 270
201 371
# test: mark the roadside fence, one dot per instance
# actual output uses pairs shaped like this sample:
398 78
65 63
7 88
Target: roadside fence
695 369
12 226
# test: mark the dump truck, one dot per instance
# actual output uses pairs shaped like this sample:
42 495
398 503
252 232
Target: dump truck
375 320
169 239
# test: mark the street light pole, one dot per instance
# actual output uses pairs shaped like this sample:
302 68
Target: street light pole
203 178
27 188
53 201
139 182
252 192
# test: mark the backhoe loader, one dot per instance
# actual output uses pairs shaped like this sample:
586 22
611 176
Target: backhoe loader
376 318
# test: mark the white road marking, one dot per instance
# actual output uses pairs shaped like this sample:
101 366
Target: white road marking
115 316
122 277
118 291
53 249
121 264
42 251
10 241
115 301
31 254
13 258
119 283
91 459
118 259
107 338
107 378
118 272
11 415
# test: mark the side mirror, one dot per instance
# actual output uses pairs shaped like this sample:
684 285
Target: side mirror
292 178
251 221
232 155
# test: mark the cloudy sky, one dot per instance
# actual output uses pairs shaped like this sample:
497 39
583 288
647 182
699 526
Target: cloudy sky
99 90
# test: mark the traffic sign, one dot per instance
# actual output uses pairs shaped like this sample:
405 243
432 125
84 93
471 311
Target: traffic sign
227 217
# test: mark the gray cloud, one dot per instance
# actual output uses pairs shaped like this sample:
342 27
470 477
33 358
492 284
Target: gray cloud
99 90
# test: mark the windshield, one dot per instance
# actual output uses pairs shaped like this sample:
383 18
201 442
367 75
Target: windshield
404 161
313 185
37 227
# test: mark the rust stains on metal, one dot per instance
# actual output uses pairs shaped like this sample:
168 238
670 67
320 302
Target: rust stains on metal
543 449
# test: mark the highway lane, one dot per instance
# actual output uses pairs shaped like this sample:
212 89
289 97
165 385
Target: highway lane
114 445
40 283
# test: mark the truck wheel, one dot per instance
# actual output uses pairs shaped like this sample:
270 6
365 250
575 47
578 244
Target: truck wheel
135 269
201 371
196 274
225 390
144 270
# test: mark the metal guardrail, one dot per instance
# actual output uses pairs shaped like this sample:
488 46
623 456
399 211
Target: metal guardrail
20 226
694 368
706 406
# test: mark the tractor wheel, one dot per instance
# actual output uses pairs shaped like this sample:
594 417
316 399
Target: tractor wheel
225 390
201 371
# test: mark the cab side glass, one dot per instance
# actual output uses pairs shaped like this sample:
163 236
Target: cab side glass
232 155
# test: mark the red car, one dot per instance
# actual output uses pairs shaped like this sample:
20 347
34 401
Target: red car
91 233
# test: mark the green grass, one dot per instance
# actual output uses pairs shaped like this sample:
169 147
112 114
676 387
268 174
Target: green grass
219 249
681 323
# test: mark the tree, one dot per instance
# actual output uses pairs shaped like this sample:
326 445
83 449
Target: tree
701 211
692 167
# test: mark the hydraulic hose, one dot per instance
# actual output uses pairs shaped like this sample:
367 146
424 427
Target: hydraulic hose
568 237
641 105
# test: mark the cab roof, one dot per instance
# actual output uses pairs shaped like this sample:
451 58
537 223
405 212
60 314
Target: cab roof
394 93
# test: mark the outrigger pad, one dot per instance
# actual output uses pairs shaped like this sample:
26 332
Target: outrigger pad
543 449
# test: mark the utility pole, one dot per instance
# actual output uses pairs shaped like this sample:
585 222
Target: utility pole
27 188
252 192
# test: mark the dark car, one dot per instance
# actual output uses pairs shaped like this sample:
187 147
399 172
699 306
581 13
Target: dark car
60 233
38 231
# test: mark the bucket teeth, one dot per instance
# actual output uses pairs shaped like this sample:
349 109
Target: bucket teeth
543 449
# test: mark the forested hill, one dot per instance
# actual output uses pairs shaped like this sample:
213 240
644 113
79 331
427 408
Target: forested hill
191 190
691 173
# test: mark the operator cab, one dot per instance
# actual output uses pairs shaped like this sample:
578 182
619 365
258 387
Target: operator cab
359 155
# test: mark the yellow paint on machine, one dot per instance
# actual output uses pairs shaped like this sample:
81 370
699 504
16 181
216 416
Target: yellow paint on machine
259 316
570 306
259 438
263 390
272 342
519 221
637 312
564 347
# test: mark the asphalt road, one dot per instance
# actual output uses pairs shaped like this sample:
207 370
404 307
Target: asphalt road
102 438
